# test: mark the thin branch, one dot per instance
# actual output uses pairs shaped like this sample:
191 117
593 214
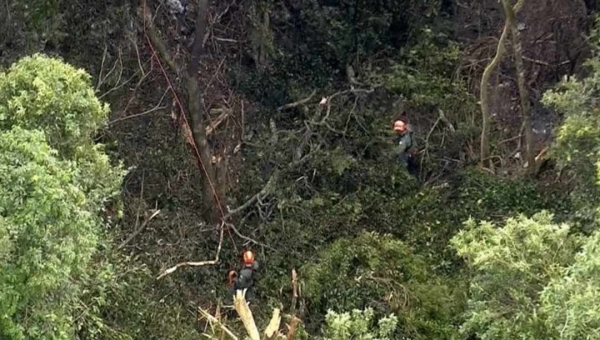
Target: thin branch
196 264
297 103
212 319
246 237
268 188
215 123
102 66
139 230
154 109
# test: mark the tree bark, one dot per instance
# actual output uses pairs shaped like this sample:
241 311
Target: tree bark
485 107
211 189
523 92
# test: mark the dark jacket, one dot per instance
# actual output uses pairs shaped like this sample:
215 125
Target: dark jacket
245 278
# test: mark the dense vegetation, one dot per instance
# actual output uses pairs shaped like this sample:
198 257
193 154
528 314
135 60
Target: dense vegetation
134 137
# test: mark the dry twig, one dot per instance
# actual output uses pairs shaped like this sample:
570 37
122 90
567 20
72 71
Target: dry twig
139 230
196 264
213 319
297 103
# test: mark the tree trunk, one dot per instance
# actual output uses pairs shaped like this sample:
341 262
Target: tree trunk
485 106
211 189
523 92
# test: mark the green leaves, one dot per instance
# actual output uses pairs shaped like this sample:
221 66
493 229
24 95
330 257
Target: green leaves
381 272
49 235
45 93
359 325
570 303
510 266
578 139
53 182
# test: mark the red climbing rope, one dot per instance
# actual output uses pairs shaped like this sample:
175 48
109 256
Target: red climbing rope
183 114
187 125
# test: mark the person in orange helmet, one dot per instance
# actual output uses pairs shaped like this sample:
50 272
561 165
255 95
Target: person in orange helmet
406 147
245 278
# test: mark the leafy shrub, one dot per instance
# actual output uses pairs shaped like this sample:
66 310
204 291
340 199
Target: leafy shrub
570 303
381 272
359 325
578 139
54 181
510 266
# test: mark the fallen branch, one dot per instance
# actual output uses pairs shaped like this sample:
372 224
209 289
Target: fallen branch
215 123
268 188
297 103
212 319
139 230
245 237
196 264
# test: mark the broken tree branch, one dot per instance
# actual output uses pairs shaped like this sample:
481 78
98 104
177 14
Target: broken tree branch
297 103
212 319
215 123
273 327
268 189
196 264
245 237
139 230
293 328
246 315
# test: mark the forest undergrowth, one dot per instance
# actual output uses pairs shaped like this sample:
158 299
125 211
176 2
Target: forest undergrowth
189 135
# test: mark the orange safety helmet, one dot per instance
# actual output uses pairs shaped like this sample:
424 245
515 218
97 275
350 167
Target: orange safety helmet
399 126
248 257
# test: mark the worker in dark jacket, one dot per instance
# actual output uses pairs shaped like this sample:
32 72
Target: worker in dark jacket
245 278
406 147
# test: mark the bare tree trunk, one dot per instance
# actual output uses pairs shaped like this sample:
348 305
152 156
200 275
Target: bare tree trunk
485 106
484 99
523 92
211 188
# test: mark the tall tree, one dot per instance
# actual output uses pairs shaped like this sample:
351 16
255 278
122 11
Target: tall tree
484 89
511 20
195 108
53 182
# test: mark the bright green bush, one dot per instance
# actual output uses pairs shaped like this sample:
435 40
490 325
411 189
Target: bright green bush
577 145
48 238
510 266
570 303
359 325
47 94
381 272
54 180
